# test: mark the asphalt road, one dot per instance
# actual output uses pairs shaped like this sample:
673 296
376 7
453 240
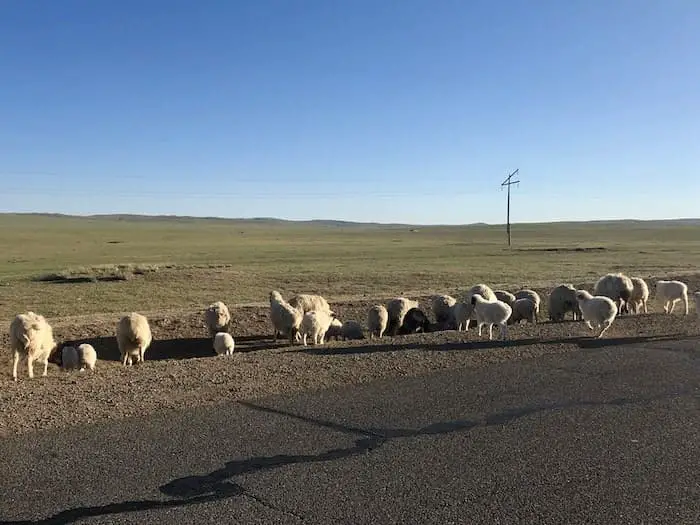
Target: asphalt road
608 435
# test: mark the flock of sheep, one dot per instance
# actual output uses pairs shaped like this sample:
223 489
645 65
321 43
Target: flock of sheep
309 317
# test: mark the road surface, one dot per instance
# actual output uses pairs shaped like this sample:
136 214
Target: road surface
609 435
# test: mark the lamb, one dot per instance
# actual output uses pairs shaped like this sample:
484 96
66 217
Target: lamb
617 287
315 324
31 335
69 358
478 289
286 319
562 300
377 320
491 313
533 296
523 310
696 297
133 338
223 343
598 310
640 295
397 309
309 302
505 296
442 308
88 357
352 330
335 329
670 292
415 321
217 318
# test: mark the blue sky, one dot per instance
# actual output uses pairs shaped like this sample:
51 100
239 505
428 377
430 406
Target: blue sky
371 110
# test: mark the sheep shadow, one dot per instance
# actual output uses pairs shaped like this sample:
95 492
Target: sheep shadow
583 342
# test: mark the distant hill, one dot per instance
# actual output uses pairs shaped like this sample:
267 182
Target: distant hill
351 224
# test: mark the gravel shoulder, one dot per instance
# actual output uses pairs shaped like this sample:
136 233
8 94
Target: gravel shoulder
181 369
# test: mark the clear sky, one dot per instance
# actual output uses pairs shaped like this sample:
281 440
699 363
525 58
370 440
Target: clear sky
372 110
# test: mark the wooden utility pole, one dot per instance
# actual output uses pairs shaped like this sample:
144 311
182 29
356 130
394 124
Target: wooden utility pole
508 183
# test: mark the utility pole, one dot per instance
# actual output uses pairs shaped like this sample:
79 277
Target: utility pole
508 183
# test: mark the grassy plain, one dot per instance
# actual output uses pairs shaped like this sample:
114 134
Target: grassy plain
182 263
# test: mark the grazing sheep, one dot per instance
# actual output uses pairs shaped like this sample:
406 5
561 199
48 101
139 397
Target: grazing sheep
491 313
352 330
505 296
377 320
533 296
640 295
88 357
670 292
442 308
617 287
462 312
223 343
285 318
31 335
133 338
309 302
217 318
335 330
397 309
478 289
69 358
524 309
598 310
415 321
696 297
315 324
562 300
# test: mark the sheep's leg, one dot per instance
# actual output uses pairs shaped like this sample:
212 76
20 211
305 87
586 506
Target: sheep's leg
304 339
46 367
588 323
124 359
490 331
685 302
15 362
604 327
274 337
504 331
644 304
30 366
479 326
673 306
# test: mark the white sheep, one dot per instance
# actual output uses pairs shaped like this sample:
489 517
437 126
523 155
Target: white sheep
315 324
533 296
505 296
352 330
640 295
599 311
377 320
223 343
88 357
616 286
670 292
335 330
217 318
305 302
462 312
442 308
133 338
397 309
696 297
524 309
69 358
479 289
491 313
32 336
285 318
562 299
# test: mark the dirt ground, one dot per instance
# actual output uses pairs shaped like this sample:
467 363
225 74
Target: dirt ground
181 369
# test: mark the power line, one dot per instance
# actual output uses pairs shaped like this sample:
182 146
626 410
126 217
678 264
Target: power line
508 183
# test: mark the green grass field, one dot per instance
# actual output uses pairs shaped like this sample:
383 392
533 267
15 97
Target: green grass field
170 264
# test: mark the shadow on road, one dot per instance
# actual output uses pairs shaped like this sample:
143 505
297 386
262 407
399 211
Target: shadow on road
220 484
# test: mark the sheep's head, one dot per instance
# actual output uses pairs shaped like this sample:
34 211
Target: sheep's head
582 295
275 296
